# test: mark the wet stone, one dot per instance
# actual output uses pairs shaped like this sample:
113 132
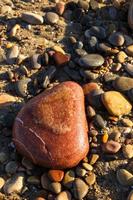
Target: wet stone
32 18
80 188
51 18
91 61
116 39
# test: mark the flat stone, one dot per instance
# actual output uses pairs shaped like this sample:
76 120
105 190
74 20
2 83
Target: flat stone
128 151
80 189
90 179
94 158
124 177
116 103
116 39
56 175
65 195
6 99
55 187
32 18
51 18
123 83
87 166
37 127
121 57
12 55
91 61
111 146
129 50
129 68
14 184
69 179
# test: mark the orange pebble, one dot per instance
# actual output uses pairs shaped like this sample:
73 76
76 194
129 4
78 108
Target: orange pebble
105 137
56 175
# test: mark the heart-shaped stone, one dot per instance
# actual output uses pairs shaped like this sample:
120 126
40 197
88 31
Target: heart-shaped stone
51 129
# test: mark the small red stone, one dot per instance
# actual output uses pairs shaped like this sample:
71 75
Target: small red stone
60 7
89 87
56 175
51 129
60 58
111 147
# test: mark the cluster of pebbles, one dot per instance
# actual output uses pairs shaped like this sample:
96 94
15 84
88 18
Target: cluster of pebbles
44 43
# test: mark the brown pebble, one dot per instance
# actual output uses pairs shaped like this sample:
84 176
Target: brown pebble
60 7
89 87
60 59
111 147
56 175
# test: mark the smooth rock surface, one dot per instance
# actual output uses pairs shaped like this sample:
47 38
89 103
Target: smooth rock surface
124 177
116 103
65 195
91 61
37 120
14 184
116 39
123 83
12 55
128 151
80 189
111 146
52 18
32 18
6 99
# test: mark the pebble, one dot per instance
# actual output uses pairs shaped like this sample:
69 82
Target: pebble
91 61
105 47
27 163
12 55
99 121
128 151
51 18
123 83
111 146
88 75
105 137
56 175
60 58
130 196
3 157
14 30
89 87
11 167
124 177
80 172
22 87
129 68
116 103
94 98
36 61
80 188
60 8
90 112
90 179
5 10
32 18
14 184
65 195
34 180
55 187
116 39
6 99
92 43
93 159
45 182
83 4
121 57
115 135
69 178
129 50
2 182
97 31
87 166
58 49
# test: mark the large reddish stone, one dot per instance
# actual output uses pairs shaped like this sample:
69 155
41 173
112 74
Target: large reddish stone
51 129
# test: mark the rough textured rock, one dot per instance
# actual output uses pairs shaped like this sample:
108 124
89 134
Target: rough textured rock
45 128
